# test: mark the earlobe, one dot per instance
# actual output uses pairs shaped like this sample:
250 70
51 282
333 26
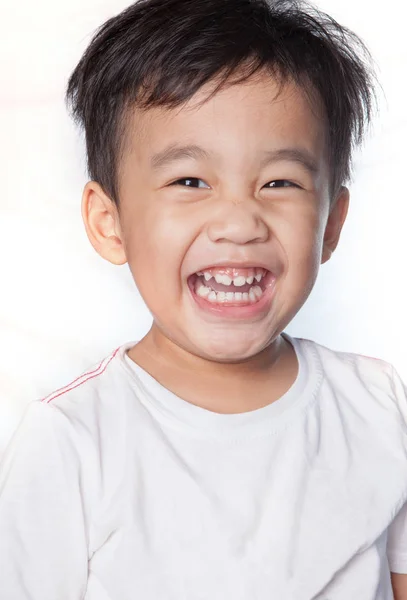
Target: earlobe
336 220
326 254
101 220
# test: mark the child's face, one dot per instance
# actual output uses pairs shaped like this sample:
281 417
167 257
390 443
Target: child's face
228 214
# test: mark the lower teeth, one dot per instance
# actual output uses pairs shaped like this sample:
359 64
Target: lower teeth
251 297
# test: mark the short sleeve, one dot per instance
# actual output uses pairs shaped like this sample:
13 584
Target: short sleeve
397 532
397 542
400 393
43 541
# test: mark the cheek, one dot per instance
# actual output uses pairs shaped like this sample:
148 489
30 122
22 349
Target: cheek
304 230
156 244
303 247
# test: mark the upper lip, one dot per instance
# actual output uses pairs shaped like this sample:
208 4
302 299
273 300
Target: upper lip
234 264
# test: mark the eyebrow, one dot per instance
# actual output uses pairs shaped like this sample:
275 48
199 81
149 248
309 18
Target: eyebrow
175 153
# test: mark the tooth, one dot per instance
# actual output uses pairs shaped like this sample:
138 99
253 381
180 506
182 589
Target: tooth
250 279
238 296
212 296
230 296
252 296
257 291
221 296
258 277
199 273
245 297
207 276
203 291
224 279
239 281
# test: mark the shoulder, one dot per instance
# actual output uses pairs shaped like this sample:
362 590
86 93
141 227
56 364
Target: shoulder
90 390
369 371
93 406
364 380
365 365
79 399
80 427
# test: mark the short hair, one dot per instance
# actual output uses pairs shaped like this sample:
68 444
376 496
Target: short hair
161 52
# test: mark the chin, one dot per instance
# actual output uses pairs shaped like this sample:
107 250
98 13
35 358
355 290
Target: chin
230 347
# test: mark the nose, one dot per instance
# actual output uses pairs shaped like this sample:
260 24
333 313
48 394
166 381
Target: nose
239 224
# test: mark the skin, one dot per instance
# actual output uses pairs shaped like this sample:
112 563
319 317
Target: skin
399 583
166 232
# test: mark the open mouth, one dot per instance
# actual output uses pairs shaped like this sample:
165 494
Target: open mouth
231 287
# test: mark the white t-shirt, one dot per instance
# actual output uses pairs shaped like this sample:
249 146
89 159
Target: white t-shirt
114 488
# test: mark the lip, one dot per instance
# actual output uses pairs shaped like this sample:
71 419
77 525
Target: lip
236 312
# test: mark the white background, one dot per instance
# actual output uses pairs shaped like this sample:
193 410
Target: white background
63 308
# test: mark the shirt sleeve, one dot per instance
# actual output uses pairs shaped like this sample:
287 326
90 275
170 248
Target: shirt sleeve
43 541
397 542
397 532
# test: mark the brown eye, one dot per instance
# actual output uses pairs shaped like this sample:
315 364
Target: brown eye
190 182
279 183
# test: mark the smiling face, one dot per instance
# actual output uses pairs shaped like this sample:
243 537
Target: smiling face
233 188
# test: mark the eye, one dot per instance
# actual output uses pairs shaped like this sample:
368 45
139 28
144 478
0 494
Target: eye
280 183
190 182
195 182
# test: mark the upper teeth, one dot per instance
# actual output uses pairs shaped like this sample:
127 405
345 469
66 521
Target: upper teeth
226 280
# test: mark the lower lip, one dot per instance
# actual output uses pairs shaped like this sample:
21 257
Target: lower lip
235 311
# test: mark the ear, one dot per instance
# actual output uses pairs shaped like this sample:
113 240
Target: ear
336 220
101 220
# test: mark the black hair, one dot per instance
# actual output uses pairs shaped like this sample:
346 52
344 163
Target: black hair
161 52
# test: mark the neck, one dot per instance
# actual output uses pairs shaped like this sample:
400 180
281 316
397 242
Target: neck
218 386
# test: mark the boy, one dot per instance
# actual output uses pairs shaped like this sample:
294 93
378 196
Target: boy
217 457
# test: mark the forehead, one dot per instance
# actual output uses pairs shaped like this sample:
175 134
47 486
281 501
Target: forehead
238 120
